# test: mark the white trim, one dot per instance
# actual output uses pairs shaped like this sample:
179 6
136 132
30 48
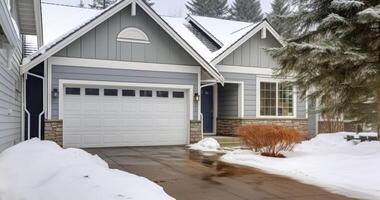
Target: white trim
248 36
264 33
109 64
49 88
258 102
199 93
7 23
241 100
133 11
63 82
245 70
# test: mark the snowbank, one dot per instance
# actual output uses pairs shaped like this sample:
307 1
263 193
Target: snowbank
328 161
207 144
41 170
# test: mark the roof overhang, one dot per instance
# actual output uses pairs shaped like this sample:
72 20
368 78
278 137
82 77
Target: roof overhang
191 19
7 25
264 25
51 49
29 18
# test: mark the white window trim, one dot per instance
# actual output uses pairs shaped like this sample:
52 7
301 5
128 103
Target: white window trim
258 97
63 82
134 35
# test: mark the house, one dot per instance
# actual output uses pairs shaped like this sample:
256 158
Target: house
130 77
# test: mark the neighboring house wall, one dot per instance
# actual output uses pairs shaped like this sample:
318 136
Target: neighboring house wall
101 42
10 100
120 75
10 88
252 53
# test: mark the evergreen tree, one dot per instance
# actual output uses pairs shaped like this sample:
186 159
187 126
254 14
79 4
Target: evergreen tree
81 4
102 4
208 8
247 10
279 18
337 57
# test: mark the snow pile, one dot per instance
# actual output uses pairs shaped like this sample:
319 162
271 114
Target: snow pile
41 170
328 161
207 144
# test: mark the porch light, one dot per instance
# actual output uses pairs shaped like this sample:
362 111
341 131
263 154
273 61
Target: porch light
55 93
196 97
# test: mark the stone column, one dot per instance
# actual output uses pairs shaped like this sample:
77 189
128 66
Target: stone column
195 131
54 131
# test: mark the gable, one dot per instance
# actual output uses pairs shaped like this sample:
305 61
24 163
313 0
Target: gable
102 43
252 53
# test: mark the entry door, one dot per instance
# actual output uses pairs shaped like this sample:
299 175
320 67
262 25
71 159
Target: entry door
207 108
101 116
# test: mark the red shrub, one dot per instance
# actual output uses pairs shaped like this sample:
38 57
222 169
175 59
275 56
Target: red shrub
270 140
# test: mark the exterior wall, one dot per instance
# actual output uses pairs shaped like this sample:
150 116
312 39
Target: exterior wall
119 75
101 42
10 100
250 95
228 127
195 131
335 126
252 53
54 131
228 100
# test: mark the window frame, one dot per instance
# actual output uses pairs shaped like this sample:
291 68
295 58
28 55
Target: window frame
109 89
260 80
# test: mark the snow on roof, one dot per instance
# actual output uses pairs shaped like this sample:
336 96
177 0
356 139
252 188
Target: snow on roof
59 19
226 31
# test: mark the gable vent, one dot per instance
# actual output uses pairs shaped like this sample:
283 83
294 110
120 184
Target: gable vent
133 35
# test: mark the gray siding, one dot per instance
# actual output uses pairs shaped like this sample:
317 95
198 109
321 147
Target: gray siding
10 100
249 91
250 96
252 53
101 43
228 100
119 75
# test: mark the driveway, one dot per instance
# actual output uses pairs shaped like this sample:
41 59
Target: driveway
188 175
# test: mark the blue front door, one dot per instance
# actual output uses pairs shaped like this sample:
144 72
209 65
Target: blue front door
207 108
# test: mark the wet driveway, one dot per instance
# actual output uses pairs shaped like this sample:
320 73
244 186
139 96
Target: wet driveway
188 175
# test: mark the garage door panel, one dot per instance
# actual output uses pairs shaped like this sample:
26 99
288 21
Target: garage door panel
101 121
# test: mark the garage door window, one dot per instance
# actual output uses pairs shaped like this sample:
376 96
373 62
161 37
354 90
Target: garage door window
145 93
178 94
162 94
129 93
72 91
92 91
110 92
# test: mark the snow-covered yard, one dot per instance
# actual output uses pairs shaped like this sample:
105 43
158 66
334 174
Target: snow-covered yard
328 161
41 170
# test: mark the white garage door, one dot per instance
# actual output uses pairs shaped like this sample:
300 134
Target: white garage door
109 116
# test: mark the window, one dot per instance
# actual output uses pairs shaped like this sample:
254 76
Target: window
162 94
72 91
110 92
276 99
129 93
92 91
178 94
145 93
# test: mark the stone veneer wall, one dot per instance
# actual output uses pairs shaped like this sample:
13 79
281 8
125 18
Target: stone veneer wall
54 131
228 127
195 131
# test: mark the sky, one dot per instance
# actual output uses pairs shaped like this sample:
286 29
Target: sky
164 7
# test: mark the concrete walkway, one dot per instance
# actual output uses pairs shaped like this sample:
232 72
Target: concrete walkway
189 175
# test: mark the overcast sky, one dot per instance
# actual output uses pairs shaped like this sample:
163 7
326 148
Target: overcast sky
164 7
